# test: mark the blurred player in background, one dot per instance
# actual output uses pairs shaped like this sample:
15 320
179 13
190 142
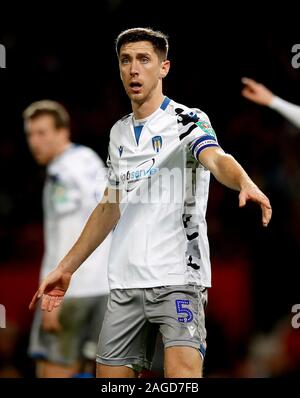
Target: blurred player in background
159 267
261 95
64 341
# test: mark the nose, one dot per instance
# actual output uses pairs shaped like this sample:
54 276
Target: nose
134 68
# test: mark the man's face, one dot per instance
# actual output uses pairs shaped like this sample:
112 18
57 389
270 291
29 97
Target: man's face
141 70
43 138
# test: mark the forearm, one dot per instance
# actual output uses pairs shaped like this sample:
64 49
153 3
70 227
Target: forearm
229 172
288 110
99 225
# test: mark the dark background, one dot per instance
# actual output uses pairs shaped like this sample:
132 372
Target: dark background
67 54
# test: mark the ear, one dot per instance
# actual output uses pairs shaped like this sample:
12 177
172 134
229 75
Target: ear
164 69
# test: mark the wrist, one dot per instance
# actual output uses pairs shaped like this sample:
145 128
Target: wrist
65 267
247 183
274 102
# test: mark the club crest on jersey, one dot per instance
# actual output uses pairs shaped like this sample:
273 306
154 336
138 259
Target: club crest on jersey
121 148
157 143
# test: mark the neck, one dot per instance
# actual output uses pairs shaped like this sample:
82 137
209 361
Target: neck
146 108
61 148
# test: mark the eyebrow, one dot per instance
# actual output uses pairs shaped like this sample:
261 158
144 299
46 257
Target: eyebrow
142 54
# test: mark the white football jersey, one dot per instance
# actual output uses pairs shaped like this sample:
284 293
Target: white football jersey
161 237
75 182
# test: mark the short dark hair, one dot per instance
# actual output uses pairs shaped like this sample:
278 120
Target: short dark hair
47 107
158 39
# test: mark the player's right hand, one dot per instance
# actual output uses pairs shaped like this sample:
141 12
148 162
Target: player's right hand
52 290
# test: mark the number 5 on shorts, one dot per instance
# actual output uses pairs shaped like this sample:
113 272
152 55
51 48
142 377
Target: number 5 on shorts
181 310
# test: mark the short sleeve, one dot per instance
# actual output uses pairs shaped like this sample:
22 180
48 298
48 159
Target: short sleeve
195 130
112 179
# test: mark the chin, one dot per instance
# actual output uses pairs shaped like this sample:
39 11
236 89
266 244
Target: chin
138 98
135 96
41 161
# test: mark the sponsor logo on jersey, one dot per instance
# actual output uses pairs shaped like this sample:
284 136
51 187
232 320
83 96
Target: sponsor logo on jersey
157 143
143 170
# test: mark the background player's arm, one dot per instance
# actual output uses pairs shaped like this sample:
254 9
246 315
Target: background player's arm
256 92
99 225
230 173
261 95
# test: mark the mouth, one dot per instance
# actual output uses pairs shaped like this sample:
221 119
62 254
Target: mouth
37 156
135 86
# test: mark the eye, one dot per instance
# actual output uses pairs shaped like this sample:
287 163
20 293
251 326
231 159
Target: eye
144 60
124 61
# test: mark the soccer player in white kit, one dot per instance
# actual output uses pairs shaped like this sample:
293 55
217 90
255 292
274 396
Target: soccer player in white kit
63 342
160 159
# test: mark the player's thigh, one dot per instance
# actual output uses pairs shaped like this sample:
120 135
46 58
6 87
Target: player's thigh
180 312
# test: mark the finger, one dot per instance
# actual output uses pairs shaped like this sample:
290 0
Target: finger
45 302
258 198
34 300
36 297
256 195
266 215
248 94
51 303
242 199
249 82
58 301
266 203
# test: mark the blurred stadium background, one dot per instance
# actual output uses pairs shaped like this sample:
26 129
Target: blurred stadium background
69 57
